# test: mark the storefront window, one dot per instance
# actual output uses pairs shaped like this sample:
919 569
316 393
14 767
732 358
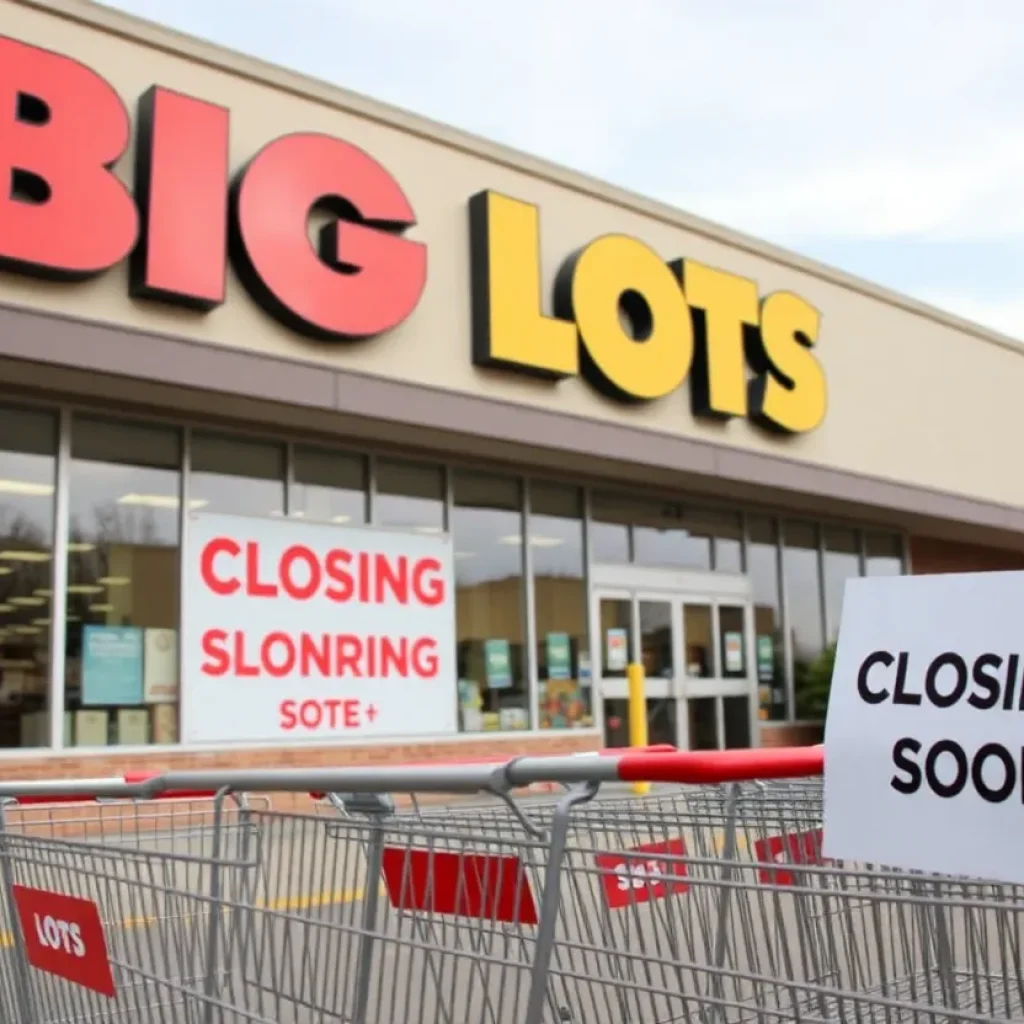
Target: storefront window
729 543
763 569
121 672
610 516
487 530
409 496
236 475
328 486
884 554
669 536
28 445
803 602
842 562
560 606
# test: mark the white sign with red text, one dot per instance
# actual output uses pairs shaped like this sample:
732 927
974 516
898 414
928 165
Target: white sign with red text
315 632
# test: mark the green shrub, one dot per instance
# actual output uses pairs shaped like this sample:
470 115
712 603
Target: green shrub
812 695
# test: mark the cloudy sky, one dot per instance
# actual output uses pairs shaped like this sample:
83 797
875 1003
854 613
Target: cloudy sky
885 137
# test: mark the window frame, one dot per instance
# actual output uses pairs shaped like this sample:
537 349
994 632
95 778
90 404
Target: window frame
372 452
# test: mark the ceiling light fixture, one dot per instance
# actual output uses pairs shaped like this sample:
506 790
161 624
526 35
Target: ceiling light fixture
341 519
114 581
80 547
26 488
536 541
159 501
84 588
101 607
27 602
25 556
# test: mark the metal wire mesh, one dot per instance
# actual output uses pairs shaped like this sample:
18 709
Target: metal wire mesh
710 905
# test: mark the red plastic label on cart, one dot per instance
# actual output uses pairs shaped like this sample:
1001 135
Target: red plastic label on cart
643 873
796 848
486 886
64 936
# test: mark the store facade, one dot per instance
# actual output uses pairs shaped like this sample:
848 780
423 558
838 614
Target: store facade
616 433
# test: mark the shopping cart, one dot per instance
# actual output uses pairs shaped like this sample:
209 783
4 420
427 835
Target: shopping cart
707 901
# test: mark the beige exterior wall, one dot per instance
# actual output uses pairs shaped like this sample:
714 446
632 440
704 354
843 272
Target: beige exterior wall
914 398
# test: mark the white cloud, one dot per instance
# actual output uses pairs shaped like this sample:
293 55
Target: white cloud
782 118
970 194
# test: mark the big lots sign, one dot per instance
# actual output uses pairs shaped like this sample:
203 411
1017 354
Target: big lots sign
67 215
634 326
303 631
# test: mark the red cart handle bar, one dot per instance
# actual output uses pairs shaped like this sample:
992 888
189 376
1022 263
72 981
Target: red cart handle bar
655 764
709 767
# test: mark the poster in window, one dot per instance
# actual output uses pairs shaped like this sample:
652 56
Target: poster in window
733 643
111 665
559 656
498 664
561 704
616 650
765 657
160 669
584 669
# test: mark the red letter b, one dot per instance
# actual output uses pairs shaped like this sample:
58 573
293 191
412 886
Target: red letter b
63 213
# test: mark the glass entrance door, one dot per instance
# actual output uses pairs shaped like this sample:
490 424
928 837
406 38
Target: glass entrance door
719 686
638 627
698 661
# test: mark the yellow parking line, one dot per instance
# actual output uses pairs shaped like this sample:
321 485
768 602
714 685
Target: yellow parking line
313 900
741 843
307 901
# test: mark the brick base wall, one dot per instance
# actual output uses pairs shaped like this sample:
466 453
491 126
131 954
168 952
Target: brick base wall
929 555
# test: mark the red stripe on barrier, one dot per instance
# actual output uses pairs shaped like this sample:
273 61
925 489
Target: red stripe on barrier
708 767
138 778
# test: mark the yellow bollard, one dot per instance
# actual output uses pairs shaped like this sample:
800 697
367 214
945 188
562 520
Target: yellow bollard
637 717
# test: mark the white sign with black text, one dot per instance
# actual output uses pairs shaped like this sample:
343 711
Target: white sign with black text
924 741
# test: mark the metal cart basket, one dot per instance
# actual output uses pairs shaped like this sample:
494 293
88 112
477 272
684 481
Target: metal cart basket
302 897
